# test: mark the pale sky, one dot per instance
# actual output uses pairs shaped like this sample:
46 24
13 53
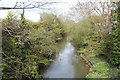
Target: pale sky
33 14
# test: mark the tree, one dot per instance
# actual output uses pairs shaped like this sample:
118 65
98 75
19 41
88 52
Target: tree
30 5
98 10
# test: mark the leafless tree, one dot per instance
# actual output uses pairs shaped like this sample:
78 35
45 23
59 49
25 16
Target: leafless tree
30 5
98 9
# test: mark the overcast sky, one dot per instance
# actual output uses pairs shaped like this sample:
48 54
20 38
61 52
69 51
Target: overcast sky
33 14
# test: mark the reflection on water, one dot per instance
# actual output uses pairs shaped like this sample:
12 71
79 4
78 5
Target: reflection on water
67 65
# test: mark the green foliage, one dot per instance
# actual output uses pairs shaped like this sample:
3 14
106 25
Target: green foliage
99 70
53 25
115 55
80 32
27 50
95 44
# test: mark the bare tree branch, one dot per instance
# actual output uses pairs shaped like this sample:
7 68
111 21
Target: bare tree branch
31 5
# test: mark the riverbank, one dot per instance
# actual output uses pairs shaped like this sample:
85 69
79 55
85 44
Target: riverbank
99 67
99 49
29 46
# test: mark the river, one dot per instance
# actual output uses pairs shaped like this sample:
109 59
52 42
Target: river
67 65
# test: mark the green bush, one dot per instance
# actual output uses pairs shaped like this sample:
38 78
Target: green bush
28 48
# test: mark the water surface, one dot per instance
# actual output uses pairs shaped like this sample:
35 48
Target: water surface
67 65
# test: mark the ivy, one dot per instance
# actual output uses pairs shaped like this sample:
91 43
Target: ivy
115 55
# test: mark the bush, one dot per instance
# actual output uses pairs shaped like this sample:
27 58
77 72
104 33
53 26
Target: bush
28 48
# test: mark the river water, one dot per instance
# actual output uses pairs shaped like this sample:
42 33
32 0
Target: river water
67 65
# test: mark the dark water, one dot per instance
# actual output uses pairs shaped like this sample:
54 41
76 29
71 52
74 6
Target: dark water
67 65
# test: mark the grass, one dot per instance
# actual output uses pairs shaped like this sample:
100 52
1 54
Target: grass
100 68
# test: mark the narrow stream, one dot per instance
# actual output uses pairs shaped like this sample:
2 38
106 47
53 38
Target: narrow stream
67 65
